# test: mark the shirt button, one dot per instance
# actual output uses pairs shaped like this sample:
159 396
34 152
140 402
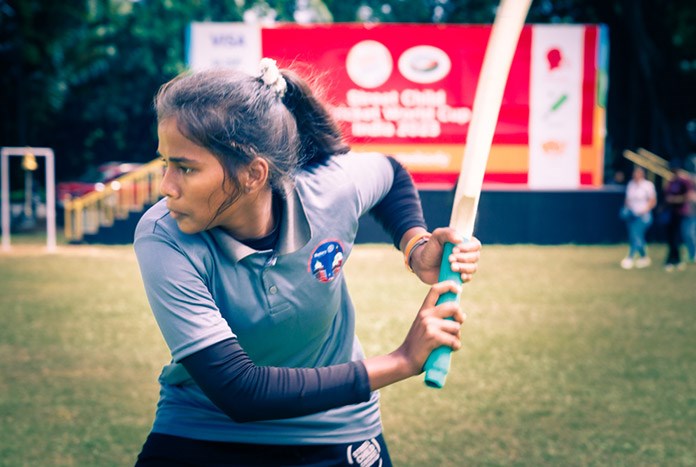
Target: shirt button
273 290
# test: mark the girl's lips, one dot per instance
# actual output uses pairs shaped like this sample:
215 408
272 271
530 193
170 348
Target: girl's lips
176 214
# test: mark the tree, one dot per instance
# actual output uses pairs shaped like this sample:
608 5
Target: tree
81 74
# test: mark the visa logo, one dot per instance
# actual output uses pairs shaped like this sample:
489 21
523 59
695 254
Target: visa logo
230 40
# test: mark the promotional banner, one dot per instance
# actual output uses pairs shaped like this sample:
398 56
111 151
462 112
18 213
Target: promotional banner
408 89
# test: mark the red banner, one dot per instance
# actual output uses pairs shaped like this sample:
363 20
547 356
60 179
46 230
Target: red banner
408 90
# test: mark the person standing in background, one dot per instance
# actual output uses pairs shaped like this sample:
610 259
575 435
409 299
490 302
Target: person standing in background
640 200
689 221
676 194
689 224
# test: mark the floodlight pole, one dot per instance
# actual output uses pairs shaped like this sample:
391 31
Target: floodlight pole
50 193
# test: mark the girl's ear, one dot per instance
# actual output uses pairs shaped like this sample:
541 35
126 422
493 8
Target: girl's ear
256 175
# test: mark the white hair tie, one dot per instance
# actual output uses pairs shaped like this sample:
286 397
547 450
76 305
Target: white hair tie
271 76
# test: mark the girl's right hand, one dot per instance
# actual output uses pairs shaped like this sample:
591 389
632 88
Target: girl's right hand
430 329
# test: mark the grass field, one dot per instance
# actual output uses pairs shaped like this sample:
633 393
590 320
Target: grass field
568 360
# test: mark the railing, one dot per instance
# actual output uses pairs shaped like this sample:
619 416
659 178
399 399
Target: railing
128 193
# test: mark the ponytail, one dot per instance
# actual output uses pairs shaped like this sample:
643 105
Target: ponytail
320 137
238 117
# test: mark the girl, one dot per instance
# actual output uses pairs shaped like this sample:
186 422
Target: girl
242 264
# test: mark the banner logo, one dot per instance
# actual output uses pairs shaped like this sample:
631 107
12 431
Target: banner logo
424 64
369 64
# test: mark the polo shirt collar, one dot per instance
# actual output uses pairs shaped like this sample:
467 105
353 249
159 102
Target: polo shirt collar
295 230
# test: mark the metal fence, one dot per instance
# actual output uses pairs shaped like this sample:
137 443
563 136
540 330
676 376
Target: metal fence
124 195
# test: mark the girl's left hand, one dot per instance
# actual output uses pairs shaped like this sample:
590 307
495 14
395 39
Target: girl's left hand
425 261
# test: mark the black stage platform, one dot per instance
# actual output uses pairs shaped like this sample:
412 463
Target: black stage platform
544 217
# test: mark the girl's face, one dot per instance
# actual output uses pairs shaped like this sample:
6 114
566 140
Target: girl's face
194 182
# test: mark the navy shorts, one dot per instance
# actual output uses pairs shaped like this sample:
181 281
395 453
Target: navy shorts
162 450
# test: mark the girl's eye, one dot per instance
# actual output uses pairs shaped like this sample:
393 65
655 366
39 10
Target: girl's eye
186 170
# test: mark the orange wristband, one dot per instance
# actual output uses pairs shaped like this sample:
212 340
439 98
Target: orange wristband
411 246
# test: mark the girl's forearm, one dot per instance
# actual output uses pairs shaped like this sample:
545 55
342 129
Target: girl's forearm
388 369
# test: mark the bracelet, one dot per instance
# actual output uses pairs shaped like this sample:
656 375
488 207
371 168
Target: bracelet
411 246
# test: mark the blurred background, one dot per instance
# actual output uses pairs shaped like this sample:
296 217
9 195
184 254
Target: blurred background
78 76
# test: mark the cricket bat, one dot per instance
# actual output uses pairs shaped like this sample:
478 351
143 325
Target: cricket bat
502 43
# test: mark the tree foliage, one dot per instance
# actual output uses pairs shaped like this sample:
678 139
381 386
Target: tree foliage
79 75
82 73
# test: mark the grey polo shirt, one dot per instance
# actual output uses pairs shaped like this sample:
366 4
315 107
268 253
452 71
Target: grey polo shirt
288 308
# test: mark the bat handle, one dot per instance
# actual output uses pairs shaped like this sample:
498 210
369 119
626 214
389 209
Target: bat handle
438 363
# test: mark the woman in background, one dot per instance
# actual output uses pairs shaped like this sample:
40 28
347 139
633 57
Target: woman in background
640 200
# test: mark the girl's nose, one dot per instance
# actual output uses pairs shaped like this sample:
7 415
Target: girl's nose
168 185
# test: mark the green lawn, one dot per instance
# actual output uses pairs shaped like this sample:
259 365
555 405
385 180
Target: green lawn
568 359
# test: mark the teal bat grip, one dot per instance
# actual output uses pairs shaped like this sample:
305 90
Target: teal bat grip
438 363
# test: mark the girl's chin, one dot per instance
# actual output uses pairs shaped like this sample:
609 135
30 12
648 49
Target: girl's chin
188 227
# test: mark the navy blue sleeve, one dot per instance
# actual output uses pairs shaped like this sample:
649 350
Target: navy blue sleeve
400 209
246 392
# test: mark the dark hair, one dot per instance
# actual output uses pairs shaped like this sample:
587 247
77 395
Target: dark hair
320 137
238 118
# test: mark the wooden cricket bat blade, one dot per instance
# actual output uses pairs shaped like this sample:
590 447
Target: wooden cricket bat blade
505 34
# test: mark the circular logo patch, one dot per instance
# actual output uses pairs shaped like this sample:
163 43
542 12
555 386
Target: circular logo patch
326 260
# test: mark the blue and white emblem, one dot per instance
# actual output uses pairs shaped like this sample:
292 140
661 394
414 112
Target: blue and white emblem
326 260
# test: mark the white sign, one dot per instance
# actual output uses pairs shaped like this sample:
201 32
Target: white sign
555 105
224 45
